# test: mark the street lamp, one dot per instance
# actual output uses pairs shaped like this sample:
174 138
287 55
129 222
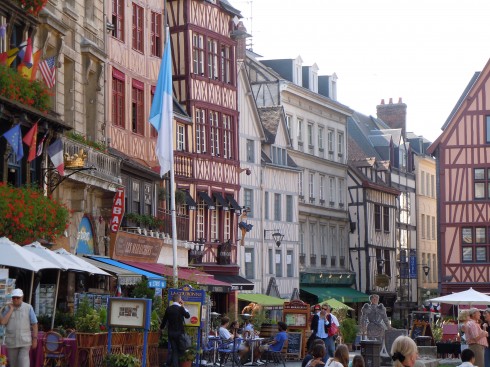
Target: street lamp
426 269
277 236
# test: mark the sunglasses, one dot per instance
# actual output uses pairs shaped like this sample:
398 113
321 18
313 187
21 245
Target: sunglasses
325 309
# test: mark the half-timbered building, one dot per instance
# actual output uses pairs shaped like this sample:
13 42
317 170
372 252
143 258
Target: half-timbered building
462 153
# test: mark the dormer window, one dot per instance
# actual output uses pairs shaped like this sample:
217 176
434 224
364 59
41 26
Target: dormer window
279 156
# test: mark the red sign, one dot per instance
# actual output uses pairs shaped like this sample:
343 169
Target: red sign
117 210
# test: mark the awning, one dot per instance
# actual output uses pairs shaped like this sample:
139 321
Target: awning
221 200
190 201
150 276
267 302
342 294
334 304
237 282
234 205
202 278
207 200
125 277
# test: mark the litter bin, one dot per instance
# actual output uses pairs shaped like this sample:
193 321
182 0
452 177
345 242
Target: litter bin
423 341
370 351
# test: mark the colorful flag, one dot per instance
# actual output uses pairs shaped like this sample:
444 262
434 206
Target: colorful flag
162 111
27 54
55 152
11 55
22 49
47 68
41 145
118 290
14 138
30 139
3 31
30 72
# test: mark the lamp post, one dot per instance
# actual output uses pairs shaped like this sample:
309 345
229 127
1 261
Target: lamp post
277 236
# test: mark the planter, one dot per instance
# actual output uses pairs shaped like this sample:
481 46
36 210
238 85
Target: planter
185 363
153 337
162 356
88 340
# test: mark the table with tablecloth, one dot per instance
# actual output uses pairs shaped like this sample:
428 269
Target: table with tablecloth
37 355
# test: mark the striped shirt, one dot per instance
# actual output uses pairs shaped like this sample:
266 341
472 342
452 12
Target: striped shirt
474 334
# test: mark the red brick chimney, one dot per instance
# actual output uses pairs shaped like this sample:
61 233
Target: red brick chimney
393 114
241 42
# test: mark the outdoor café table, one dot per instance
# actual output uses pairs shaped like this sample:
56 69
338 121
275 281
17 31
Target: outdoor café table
254 343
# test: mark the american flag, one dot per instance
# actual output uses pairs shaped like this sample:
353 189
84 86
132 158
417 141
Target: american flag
47 68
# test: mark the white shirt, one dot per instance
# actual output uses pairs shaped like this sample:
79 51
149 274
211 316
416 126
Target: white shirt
224 333
334 320
332 363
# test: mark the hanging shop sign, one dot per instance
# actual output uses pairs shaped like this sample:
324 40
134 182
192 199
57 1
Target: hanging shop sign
117 209
85 237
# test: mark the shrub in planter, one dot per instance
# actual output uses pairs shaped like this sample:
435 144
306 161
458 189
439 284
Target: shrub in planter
122 360
349 330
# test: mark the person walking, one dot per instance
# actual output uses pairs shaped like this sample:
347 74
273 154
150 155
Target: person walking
331 319
476 337
174 320
486 316
21 330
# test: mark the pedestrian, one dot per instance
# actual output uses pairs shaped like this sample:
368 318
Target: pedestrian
21 330
476 337
174 319
404 352
330 320
357 361
486 316
468 358
340 357
309 354
318 354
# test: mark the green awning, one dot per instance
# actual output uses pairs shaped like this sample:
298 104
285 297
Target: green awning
332 302
342 294
268 302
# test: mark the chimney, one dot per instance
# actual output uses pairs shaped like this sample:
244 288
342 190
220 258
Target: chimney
240 35
393 114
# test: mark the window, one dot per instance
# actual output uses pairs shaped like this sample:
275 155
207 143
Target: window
322 189
475 244
312 242
214 133
311 187
138 25
480 236
289 208
341 193
386 218
212 59
278 261
214 224
248 200
118 19
288 124
156 34
200 131
320 137
249 263
422 227
198 54
225 64
377 217
200 220
432 186
330 143
300 183
266 205
153 131
331 196
289 263
302 238
135 197
180 137
340 142
422 181
481 183
310 135
277 207
428 227
137 118
433 228
226 223
323 244
250 151
118 98
227 137
300 130
279 156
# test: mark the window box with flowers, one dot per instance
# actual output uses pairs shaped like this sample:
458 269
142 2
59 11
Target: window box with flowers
32 6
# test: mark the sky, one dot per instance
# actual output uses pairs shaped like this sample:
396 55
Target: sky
423 51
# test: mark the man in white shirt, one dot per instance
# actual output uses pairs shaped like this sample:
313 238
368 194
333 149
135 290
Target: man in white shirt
329 320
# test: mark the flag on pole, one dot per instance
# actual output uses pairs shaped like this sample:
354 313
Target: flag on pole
41 145
11 55
47 68
30 139
162 111
30 72
55 152
118 290
14 138
25 53
3 31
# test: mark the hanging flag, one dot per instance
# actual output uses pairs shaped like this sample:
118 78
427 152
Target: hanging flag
3 31
41 145
162 111
47 68
14 138
22 49
55 152
30 72
11 55
30 139
26 56
118 290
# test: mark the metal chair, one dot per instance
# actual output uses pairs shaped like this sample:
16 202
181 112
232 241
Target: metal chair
227 349
276 357
54 350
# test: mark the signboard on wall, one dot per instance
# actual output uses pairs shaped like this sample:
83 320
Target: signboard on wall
85 237
132 247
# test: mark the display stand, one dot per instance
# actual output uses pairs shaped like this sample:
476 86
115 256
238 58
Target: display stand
6 288
296 315
45 299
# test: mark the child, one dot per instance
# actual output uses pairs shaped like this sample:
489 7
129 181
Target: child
468 358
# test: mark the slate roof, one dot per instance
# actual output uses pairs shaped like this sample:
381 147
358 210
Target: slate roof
228 7
270 118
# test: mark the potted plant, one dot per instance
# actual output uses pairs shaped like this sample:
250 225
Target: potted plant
88 325
188 356
133 218
121 360
349 330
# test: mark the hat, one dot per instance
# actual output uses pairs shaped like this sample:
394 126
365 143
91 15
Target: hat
317 307
473 310
17 293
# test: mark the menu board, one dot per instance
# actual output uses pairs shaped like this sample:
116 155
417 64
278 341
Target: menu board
295 320
45 299
295 343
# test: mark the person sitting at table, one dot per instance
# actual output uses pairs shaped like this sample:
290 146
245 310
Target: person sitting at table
248 329
277 343
468 358
223 332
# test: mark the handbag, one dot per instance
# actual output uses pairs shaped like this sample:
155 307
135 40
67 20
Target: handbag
333 329
185 342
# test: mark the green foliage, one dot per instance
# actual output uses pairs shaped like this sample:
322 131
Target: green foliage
141 290
122 360
437 333
26 215
87 320
189 354
349 329
261 318
397 324
73 135
17 88
44 322
65 320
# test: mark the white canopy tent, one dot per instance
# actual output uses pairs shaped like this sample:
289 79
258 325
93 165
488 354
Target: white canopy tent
80 263
16 256
469 297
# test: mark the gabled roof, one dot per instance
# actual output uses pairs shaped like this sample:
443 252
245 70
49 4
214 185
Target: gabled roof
380 140
270 117
228 7
358 143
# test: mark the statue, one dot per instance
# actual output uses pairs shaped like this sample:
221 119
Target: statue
244 226
374 320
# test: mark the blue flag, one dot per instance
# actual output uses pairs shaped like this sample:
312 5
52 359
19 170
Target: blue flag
14 138
161 113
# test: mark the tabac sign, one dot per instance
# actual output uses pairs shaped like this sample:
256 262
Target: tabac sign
117 210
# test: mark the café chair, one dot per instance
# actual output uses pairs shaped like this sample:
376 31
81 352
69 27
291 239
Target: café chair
227 349
279 357
54 350
71 333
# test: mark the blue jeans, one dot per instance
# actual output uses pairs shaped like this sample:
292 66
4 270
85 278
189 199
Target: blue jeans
487 357
330 344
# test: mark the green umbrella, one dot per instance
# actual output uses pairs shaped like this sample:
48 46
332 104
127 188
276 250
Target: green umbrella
332 302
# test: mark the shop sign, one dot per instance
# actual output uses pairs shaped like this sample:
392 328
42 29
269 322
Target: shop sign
85 237
157 283
224 254
132 247
117 210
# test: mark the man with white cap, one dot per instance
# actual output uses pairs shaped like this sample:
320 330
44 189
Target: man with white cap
21 331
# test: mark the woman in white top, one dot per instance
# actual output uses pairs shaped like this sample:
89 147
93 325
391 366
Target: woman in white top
340 358
404 352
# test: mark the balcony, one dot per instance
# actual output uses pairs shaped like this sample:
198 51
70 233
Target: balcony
183 164
79 155
182 224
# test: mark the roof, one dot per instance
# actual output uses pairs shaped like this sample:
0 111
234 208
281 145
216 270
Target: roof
237 282
121 265
135 163
270 118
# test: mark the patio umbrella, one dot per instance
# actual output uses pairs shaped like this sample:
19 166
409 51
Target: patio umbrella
80 264
468 297
333 303
16 256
